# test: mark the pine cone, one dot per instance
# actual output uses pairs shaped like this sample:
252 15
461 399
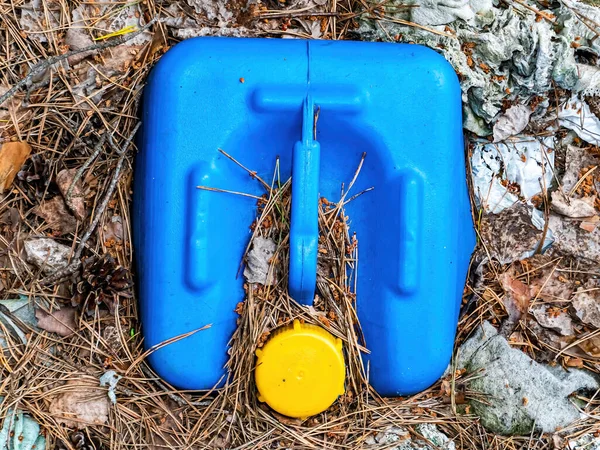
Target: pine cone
104 281
35 173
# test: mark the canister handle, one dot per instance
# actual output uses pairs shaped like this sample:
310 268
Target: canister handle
304 229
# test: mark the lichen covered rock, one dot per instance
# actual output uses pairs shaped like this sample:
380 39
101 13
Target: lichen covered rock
518 394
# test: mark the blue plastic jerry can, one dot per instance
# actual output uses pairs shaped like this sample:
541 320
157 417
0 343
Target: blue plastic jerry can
255 99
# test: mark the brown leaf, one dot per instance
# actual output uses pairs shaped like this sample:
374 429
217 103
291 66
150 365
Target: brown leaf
589 224
61 322
576 160
554 319
13 112
547 283
516 300
12 157
47 254
591 346
64 179
558 441
571 240
113 230
121 57
573 362
82 403
517 296
56 215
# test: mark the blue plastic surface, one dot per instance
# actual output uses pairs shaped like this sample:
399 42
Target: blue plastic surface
304 226
399 103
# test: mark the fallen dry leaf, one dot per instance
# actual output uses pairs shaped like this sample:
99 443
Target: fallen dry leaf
286 420
12 112
62 322
553 319
56 215
573 362
113 230
12 157
112 338
512 122
589 224
547 282
37 16
82 403
518 294
591 346
547 335
64 179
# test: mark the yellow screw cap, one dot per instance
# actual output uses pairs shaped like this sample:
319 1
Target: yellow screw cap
300 371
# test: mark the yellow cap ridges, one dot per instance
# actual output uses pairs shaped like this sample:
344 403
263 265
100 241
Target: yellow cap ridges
300 371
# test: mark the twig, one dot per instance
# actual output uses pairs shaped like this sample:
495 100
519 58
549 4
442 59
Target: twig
45 64
251 172
341 203
412 24
355 196
287 15
537 12
581 180
60 274
243 194
71 268
540 246
34 87
111 188
79 173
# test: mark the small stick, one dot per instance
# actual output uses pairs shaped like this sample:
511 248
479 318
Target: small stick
540 246
243 194
287 15
111 188
340 204
360 164
581 180
412 24
79 173
316 116
546 16
43 65
71 268
251 172
358 195
34 87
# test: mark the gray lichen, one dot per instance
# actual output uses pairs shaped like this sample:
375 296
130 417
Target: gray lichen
499 54
523 394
